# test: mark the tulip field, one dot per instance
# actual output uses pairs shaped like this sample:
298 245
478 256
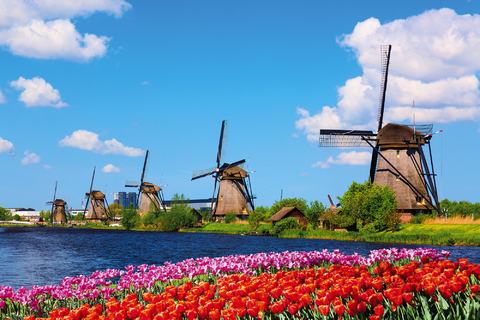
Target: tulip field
388 284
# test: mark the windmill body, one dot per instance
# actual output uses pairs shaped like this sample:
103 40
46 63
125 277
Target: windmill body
231 193
97 210
151 198
412 197
59 215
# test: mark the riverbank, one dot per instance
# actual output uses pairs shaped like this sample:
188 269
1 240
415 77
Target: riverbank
429 234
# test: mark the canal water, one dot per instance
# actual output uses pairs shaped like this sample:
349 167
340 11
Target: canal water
44 256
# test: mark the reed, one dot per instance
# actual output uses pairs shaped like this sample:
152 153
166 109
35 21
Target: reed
453 220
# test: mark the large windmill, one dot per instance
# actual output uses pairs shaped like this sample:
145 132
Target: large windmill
235 190
148 193
57 213
98 204
398 159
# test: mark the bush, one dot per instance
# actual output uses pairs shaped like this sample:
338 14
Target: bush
230 217
5 214
130 218
179 216
17 217
152 218
285 224
419 218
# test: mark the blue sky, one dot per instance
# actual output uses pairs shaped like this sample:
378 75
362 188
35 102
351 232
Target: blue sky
96 83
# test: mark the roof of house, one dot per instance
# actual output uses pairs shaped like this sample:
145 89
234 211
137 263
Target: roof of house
284 212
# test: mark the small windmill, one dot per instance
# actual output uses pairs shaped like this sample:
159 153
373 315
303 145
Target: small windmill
148 193
234 191
398 160
98 204
57 213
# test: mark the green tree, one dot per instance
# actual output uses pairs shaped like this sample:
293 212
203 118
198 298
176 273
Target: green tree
369 205
300 203
17 217
130 218
5 215
180 214
116 209
314 212
79 216
45 215
205 214
260 214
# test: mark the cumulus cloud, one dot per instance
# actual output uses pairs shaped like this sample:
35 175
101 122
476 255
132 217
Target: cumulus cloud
46 166
56 39
349 158
37 92
435 60
30 158
110 168
6 146
42 28
86 140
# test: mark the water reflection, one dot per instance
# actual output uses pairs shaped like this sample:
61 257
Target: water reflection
40 256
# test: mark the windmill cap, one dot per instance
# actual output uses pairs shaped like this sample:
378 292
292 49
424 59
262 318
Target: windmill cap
97 195
59 202
394 134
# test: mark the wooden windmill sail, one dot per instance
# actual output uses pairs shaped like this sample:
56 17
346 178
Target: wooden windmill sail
398 159
150 195
234 191
98 204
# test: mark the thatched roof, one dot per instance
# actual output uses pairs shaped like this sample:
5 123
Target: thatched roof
285 212
59 202
393 134
236 172
97 195
148 187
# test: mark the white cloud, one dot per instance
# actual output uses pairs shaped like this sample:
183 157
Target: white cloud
348 158
145 83
295 135
6 146
86 140
42 28
2 97
435 60
46 166
57 39
110 168
37 92
30 158
304 174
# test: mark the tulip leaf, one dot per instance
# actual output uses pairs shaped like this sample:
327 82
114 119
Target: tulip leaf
443 303
426 309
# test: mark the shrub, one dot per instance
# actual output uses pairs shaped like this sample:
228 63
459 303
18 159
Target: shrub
419 218
285 224
5 214
17 217
130 218
230 217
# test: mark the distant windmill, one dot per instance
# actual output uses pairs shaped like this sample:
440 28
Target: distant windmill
57 213
398 160
234 191
98 206
148 193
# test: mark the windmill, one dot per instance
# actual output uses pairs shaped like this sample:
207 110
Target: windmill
150 194
98 204
398 159
234 191
57 213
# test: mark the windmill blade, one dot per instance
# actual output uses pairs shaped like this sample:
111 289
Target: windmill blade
93 176
213 196
240 164
203 173
331 201
385 56
53 202
145 168
385 51
222 144
134 184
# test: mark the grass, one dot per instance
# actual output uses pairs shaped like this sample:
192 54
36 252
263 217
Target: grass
454 220
232 228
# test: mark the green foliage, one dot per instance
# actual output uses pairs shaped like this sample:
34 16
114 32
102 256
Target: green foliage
314 212
419 218
45 215
130 218
285 224
152 218
260 214
116 209
5 214
16 217
179 216
461 208
205 214
79 216
300 203
230 217
367 204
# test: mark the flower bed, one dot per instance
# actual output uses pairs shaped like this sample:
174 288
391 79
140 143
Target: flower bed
265 281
